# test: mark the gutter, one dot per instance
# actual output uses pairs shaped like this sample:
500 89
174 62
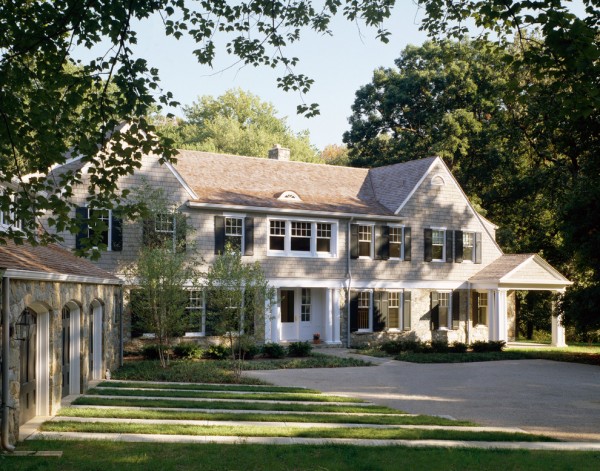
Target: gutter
5 360
349 276
293 211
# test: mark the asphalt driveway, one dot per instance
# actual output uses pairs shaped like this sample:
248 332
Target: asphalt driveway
561 399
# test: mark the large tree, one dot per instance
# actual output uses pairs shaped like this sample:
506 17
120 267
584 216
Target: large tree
51 111
236 122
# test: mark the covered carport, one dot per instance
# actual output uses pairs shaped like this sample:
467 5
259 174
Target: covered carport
513 272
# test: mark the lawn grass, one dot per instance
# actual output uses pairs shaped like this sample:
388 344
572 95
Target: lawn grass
182 403
221 371
322 418
205 387
269 431
267 396
77 456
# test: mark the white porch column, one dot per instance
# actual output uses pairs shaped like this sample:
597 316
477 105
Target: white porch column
328 316
268 314
275 320
335 307
558 329
498 325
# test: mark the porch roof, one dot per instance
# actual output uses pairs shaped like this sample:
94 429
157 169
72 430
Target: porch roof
520 271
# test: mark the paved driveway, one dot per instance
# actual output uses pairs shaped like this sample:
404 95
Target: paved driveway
562 399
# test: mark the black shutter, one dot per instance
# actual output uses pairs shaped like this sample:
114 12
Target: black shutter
180 232
455 309
406 311
248 236
81 213
353 240
353 311
116 236
435 311
458 246
380 313
219 235
475 308
478 247
407 244
428 237
382 242
449 246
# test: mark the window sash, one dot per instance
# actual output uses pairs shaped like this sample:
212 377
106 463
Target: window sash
164 223
395 242
468 246
103 215
438 241
196 312
365 239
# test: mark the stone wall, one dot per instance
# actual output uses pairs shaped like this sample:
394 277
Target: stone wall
47 298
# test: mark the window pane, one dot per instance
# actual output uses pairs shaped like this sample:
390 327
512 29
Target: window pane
164 223
323 245
364 300
323 237
393 310
233 226
438 237
468 246
300 237
395 242
277 235
482 308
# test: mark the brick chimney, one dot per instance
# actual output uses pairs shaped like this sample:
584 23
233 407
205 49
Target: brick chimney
279 153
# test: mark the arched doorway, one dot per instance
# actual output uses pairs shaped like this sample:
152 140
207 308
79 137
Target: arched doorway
71 349
96 334
34 368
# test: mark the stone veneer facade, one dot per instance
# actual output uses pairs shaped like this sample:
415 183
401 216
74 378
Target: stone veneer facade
49 297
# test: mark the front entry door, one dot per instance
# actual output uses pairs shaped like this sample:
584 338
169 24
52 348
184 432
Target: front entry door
28 349
66 351
288 324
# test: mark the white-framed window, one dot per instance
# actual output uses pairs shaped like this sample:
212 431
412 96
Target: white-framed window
365 241
234 232
195 313
365 310
395 241
394 311
105 216
468 246
482 309
302 238
438 245
8 218
305 306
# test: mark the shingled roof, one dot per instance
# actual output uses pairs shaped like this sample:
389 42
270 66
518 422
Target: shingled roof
50 259
501 267
252 181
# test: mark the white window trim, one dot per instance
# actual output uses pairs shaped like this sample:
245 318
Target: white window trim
18 225
288 252
370 328
472 259
444 230
401 226
372 256
236 216
110 224
202 333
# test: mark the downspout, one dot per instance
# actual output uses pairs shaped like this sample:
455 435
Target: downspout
349 277
468 312
121 325
5 360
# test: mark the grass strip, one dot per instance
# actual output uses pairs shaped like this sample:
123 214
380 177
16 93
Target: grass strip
223 395
220 457
182 403
249 417
206 387
314 432
512 354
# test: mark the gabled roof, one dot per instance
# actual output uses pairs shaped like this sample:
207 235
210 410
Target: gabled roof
524 271
251 181
50 262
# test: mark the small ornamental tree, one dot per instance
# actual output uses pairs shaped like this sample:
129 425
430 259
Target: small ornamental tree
239 295
162 272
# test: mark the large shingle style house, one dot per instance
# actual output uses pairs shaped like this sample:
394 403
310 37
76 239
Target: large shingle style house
354 254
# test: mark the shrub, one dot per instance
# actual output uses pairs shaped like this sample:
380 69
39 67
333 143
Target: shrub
491 346
459 347
188 351
393 347
299 349
273 350
216 352
440 346
150 352
249 349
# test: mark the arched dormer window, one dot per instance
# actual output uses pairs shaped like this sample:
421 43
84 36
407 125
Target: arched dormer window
438 180
289 195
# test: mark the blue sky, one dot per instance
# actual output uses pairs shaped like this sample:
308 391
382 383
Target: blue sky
339 64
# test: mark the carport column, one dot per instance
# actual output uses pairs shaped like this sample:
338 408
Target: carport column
499 315
558 329
328 320
336 316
